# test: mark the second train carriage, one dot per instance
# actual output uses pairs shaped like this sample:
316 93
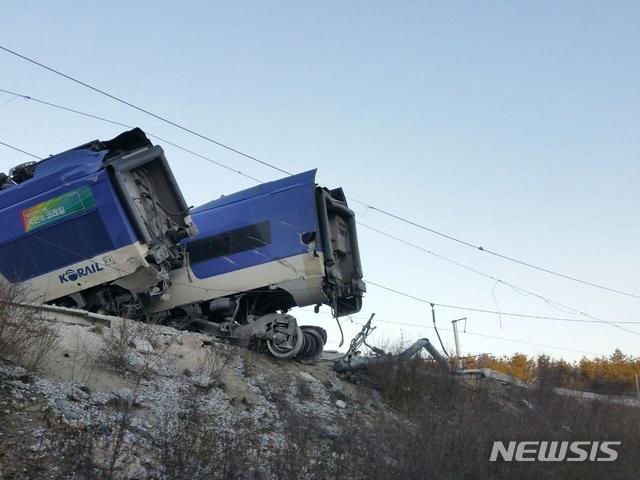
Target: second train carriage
264 250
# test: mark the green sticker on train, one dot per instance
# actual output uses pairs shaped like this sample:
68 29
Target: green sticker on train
58 208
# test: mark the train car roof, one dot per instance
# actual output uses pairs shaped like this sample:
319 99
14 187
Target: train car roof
69 165
268 188
52 172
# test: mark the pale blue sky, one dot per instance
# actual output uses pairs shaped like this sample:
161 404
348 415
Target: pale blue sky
514 125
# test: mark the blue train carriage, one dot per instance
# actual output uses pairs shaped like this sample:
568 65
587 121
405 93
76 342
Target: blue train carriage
265 250
96 227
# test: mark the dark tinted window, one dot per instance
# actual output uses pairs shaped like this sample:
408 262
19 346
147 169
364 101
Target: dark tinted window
228 243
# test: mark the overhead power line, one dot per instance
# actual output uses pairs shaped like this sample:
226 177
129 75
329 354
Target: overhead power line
422 300
494 337
270 165
121 124
491 252
482 310
20 150
145 111
521 290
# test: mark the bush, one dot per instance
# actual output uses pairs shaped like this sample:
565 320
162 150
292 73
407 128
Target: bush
191 446
26 337
118 343
447 429
214 367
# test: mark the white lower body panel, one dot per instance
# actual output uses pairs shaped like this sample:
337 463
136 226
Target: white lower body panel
87 273
300 275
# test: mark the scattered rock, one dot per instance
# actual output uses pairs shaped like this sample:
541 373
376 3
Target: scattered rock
15 373
67 409
307 376
125 396
161 385
334 385
134 360
143 345
202 380
527 403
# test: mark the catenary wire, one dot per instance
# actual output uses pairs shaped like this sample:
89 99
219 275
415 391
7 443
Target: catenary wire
236 151
491 252
114 122
482 310
20 150
495 337
147 112
552 303
425 301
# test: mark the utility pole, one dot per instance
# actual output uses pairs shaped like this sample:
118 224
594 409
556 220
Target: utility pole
457 340
637 386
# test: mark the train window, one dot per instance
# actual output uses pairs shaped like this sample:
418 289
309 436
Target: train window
228 243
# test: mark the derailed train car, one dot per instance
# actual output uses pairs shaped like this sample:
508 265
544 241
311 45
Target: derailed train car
104 227
96 227
265 250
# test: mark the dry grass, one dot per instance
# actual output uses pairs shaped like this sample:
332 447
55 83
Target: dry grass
192 446
450 428
213 369
26 337
118 343
64 451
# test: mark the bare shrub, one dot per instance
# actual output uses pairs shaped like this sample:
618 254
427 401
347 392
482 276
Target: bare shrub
98 450
213 368
191 445
84 362
248 359
118 343
26 337
146 332
442 428
405 383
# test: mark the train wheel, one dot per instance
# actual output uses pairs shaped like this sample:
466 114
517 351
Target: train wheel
282 346
313 344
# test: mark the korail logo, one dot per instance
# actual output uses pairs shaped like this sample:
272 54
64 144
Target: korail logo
72 275
543 451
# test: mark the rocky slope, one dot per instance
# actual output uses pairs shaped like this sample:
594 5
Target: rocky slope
142 401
